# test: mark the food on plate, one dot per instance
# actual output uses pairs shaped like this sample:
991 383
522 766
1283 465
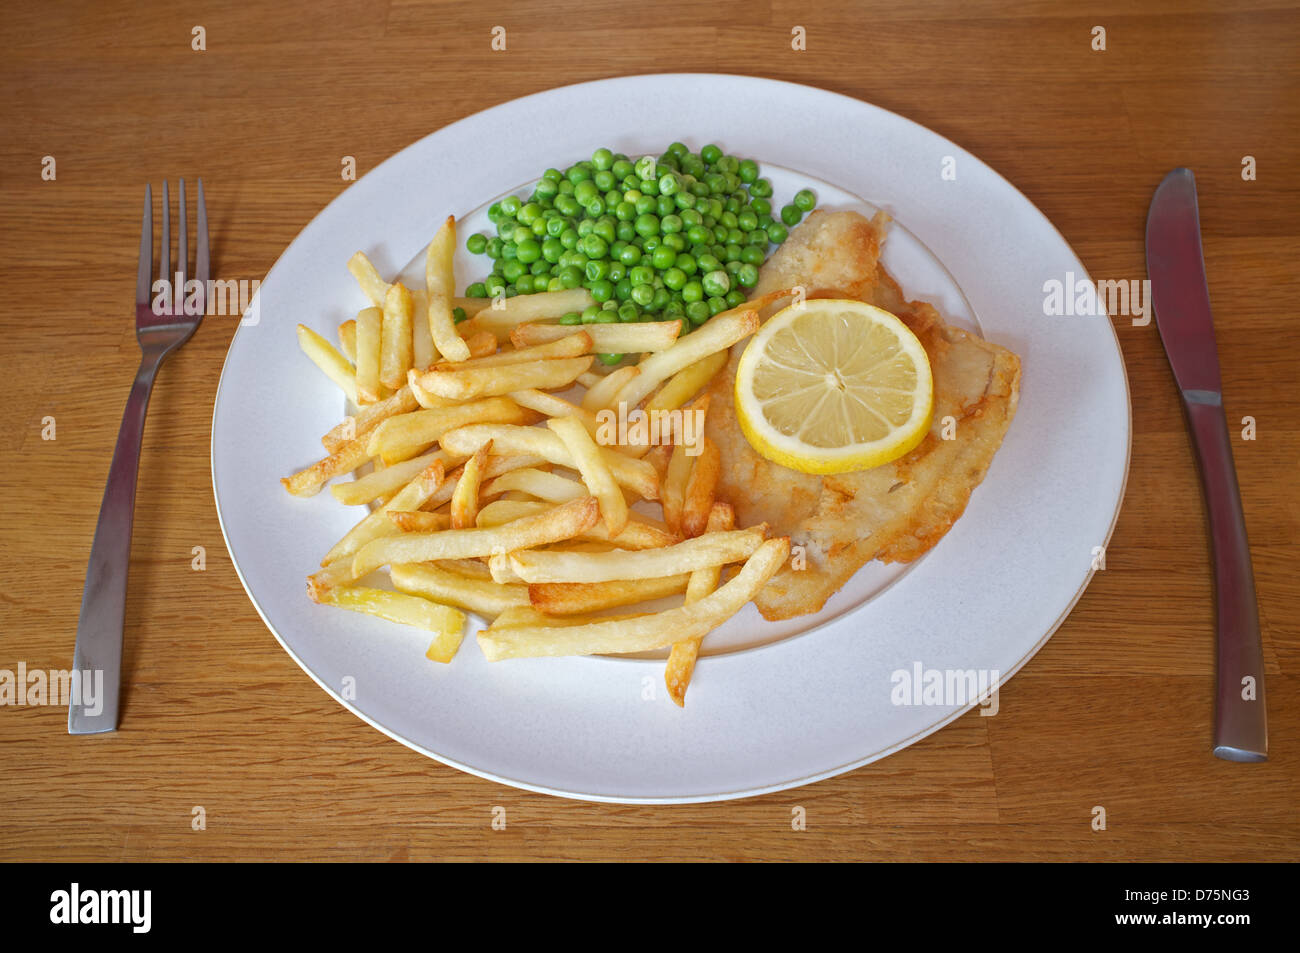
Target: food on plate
895 512
605 420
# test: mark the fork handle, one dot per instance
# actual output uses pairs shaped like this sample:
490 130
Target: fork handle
103 601
1240 718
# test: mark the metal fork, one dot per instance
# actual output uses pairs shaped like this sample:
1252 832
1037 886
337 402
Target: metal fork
159 331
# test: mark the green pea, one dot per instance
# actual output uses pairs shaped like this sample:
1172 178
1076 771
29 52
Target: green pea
528 251
567 205
747 221
476 244
790 214
711 153
761 207
642 295
748 170
777 233
610 358
628 312
625 211
660 301
692 291
593 246
510 206
646 204
708 262
621 168
554 226
569 237
805 200
555 285
684 200
552 249
717 305
647 225
716 283
675 278
602 158
602 289
458 315
630 255
606 317
685 262
752 255
512 270
476 290
570 277
617 271
595 270
494 248
623 289
698 312
645 168
735 298
675 241
540 267
524 283
571 317
733 252
606 228
641 275
577 173
663 257
762 188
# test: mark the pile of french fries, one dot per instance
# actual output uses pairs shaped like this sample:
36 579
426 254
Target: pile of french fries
488 492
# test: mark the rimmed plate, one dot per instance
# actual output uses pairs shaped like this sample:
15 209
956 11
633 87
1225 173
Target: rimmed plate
758 719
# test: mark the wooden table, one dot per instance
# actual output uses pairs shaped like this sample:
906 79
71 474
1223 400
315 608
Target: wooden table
1115 711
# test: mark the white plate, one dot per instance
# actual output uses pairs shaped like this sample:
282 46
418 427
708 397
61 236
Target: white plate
793 710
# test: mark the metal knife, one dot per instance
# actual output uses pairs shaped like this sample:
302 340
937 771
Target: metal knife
1181 299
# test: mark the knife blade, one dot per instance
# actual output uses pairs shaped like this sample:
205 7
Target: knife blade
1181 299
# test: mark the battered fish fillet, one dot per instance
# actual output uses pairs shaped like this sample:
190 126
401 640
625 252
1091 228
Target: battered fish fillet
895 512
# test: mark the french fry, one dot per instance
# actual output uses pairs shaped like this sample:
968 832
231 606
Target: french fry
370 322
673 489
471 568
374 287
477 595
605 338
686 383
636 475
550 487
697 501
441 282
711 549
322 581
595 473
572 598
502 574
447 381
344 459
419 428
336 367
574 345
561 522
590 379
423 353
600 394
464 500
548 405
395 337
545 305
722 331
377 524
368 417
418 521
389 479
447 624
348 339
658 457
641 633
681 660
641 532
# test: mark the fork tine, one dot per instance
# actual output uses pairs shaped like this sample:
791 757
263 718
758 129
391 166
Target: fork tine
201 260
165 250
182 251
144 278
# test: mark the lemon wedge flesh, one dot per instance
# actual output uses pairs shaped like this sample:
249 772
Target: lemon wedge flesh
831 385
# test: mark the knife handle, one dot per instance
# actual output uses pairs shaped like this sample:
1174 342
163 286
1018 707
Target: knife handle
1240 721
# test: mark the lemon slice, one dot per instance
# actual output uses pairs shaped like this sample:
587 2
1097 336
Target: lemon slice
830 385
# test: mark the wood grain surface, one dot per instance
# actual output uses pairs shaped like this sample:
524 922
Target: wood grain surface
1115 711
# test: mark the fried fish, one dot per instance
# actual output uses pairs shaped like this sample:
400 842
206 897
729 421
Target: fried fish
895 512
